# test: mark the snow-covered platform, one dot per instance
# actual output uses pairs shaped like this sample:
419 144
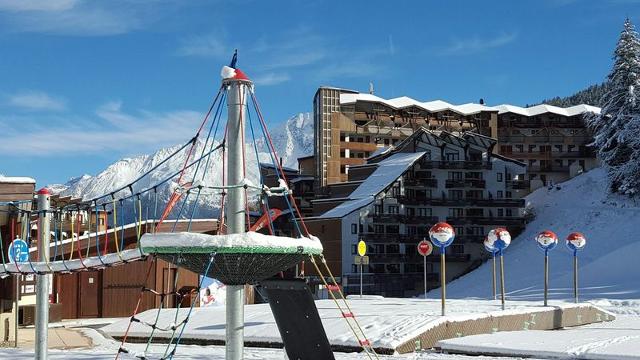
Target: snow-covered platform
617 340
393 325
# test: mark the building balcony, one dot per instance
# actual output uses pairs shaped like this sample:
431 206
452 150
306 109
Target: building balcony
518 184
497 202
486 220
548 168
462 165
466 183
430 183
403 219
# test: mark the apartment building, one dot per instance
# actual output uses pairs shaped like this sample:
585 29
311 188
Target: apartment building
392 198
351 127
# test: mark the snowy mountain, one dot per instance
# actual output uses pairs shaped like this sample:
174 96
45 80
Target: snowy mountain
608 266
293 139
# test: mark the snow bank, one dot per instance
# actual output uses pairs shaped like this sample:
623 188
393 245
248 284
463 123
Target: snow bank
608 264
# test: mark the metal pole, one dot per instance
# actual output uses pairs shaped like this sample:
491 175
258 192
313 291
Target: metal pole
424 270
502 278
493 278
443 279
361 277
17 314
42 281
236 103
546 276
575 276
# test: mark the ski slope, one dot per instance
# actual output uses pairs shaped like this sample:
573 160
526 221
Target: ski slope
608 266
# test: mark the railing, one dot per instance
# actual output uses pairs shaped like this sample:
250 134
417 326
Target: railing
444 164
485 220
466 183
518 184
432 183
403 218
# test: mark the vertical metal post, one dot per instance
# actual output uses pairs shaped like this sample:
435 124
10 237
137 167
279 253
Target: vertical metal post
361 276
502 278
575 276
493 278
546 275
236 103
42 281
424 271
443 279
16 305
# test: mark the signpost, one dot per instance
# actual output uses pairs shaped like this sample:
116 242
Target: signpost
362 250
547 240
491 248
442 235
18 251
575 242
500 239
425 248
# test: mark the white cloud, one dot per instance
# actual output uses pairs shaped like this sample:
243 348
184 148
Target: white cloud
204 46
81 17
476 44
36 101
271 79
113 130
36 5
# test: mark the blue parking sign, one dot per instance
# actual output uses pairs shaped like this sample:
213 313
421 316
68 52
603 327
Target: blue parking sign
18 251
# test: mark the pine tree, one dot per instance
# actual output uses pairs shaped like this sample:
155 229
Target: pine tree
615 129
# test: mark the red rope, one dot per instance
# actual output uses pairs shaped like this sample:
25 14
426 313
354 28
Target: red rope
273 151
78 238
175 196
135 311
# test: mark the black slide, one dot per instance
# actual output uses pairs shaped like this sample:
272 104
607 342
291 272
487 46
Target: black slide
298 320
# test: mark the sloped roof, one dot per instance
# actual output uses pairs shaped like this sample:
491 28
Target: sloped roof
387 171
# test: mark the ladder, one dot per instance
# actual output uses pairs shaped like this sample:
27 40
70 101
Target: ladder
341 302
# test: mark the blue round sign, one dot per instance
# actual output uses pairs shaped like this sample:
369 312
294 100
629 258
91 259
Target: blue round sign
18 251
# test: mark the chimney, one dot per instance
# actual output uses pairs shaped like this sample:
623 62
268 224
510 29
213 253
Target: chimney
481 101
371 87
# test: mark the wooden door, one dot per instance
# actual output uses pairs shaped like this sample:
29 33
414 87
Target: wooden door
90 285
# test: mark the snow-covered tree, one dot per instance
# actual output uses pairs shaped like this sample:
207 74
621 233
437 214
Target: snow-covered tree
616 128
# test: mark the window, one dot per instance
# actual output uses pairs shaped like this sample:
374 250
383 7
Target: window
393 229
459 230
457 249
412 230
452 156
520 148
379 229
410 211
342 153
532 148
508 194
455 175
424 212
354 249
499 175
500 212
456 212
343 169
394 209
377 209
455 194
509 212
354 228
499 194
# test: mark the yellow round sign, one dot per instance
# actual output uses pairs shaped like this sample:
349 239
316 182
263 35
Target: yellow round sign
362 248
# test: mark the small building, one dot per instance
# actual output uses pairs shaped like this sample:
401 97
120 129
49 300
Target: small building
392 200
19 190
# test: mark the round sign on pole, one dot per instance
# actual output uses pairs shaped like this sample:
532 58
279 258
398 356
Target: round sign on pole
499 238
362 248
442 234
425 248
547 240
576 241
18 251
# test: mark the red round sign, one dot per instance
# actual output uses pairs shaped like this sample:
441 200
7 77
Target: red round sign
425 248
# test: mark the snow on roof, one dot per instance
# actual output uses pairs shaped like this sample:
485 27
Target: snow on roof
388 171
542 109
380 150
469 108
16 180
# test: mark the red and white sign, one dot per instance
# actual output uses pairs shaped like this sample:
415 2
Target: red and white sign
425 248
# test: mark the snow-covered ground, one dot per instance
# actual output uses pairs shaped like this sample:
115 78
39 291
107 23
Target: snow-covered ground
387 322
618 339
608 266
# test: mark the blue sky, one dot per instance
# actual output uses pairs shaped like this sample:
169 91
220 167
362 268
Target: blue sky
84 83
